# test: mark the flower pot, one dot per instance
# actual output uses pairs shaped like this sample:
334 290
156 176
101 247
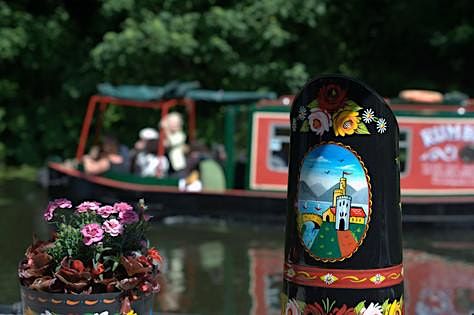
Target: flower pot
37 302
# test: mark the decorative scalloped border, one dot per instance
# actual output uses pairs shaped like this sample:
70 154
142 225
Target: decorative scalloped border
69 302
369 188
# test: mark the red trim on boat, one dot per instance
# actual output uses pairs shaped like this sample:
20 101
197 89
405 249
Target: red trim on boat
165 106
230 192
152 188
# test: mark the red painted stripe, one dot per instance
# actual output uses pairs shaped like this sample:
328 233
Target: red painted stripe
343 278
230 192
155 188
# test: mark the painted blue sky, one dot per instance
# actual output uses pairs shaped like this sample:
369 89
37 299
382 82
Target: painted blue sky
335 159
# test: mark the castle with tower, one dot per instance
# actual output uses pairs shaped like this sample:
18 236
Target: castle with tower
341 212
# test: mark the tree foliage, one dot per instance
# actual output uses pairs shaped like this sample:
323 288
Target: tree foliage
52 54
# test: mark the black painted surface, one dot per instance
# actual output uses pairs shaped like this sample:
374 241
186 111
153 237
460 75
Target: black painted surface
382 246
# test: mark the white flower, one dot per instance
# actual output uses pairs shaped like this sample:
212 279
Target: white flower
46 312
381 125
328 278
377 279
368 115
319 121
292 307
302 113
103 313
373 309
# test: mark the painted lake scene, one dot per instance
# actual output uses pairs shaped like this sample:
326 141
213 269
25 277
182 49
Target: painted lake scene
333 202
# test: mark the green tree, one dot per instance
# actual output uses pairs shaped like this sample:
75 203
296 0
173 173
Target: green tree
52 54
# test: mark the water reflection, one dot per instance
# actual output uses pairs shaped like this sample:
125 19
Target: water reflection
219 268
215 266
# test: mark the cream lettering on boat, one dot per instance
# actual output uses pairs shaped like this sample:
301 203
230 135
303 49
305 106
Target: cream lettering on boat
447 132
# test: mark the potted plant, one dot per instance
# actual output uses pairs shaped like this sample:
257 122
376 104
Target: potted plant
97 262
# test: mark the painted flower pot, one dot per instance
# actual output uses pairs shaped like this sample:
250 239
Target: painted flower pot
36 302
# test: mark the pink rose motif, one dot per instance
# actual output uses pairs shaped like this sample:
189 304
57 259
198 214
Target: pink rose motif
319 121
113 227
92 233
128 217
106 211
122 207
53 205
88 205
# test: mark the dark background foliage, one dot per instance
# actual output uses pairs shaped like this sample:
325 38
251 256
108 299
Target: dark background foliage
53 53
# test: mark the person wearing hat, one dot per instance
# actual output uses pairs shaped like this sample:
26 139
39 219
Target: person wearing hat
146 134
146 163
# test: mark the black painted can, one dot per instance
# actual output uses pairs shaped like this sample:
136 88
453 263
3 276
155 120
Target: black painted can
343 250
36 303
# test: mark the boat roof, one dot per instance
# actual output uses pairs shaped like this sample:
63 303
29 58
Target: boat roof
178 90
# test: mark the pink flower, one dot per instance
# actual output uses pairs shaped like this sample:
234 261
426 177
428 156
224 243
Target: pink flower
63 203
113 227
88 205
319 121
122 207
48 214
53 205
106 211
127 217
92 233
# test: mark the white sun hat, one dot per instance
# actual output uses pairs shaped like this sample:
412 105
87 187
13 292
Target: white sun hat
148 134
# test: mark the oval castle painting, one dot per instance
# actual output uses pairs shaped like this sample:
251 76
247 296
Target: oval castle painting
333 202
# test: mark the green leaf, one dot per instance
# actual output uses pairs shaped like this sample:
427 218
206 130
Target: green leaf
353 106
115 265
362 129
313 104
301 304
305 126
359 307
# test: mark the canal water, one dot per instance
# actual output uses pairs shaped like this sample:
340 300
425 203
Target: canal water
215 267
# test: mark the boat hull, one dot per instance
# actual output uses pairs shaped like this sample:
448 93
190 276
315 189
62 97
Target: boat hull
166 201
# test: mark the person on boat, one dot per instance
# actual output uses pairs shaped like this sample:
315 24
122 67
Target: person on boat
175 140
109 156
148 164
145 135
202 171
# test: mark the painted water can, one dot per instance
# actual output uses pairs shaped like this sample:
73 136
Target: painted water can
45 303
343 245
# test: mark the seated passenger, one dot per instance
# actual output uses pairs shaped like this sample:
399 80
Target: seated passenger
144 136
149 164
109 156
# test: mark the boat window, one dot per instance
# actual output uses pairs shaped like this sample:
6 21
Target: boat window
279 147
404 144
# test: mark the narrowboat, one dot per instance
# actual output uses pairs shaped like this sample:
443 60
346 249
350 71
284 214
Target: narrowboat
436 158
